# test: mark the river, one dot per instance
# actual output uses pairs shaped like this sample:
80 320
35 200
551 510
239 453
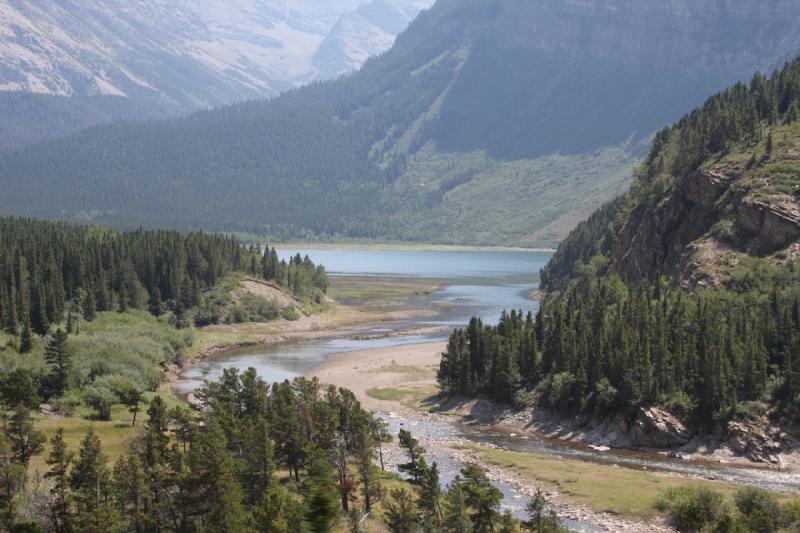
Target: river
477 283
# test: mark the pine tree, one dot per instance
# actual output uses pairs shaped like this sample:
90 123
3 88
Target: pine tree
156 306
130 488
482 497
90 483
25 440
400 515
12 479
456 513
415 454
430 494
60 507
322 503
89 304
26 339
59 360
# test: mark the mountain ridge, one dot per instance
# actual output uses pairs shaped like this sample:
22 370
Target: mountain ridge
421 144
151 58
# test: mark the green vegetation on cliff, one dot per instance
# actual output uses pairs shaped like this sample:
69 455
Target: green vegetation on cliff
683 292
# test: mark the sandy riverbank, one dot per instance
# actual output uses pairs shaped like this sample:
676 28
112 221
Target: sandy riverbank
387 379
337 321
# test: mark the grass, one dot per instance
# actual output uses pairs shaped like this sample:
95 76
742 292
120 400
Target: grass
525 203
411 397
602 488
410 373
115 435
388 394
379 292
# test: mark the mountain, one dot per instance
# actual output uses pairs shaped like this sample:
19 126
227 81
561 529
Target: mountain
715 204
488 122
673 312
91 61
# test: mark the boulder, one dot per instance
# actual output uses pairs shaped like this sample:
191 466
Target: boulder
656 428
751 441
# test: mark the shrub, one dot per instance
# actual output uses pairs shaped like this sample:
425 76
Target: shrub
679 404
790 515
760 508
605 396
253 308
101 399
557 393
68 403
691 508
290 313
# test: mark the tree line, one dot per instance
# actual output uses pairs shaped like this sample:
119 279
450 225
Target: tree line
56 273
291 457
605 346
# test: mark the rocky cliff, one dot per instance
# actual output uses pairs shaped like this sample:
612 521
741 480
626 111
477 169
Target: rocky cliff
146 58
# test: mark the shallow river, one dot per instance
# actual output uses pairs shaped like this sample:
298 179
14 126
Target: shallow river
478 284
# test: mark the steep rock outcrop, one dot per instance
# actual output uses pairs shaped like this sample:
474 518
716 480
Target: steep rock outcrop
654 238
656 428
769 224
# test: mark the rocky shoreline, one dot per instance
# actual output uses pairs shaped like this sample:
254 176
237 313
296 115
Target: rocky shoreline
457 448
749 443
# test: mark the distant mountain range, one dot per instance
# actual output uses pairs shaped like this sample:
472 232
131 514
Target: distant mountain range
502 121
148 58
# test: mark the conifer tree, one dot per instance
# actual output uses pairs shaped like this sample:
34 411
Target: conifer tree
322 503
482 497
430 494
401 514
90 482
456 514
59 360
12 479
60 507
26 338
25 440
415 454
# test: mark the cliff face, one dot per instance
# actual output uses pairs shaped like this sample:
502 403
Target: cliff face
681 35
716 216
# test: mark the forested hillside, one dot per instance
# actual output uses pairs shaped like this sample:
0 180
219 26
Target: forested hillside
684 292
91 317
487 122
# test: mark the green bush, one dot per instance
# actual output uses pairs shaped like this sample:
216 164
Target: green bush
132 345
760 508
290 313
68 403
253 308
691 508
101 399
679 404
790 515
605 397
558 391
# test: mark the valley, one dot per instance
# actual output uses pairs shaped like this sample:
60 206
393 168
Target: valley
391 367
399 266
